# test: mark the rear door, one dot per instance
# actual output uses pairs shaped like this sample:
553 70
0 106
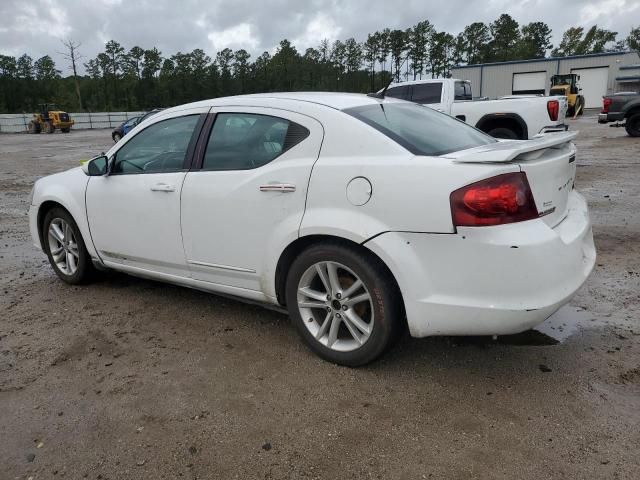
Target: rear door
244 201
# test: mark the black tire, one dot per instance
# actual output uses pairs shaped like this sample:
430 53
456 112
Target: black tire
49 128
34 127
65 130
385 302
116 137
85 269
581 103
503 132
632 125
571 111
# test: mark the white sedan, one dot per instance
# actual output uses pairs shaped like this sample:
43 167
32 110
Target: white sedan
359 215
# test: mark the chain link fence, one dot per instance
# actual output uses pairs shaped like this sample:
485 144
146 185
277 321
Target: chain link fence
19 122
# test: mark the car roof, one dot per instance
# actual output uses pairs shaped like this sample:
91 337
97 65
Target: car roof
333 100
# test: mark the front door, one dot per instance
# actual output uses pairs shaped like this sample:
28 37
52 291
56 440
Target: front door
134 213
246 200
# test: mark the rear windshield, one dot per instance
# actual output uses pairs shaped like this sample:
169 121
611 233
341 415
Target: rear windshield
419 129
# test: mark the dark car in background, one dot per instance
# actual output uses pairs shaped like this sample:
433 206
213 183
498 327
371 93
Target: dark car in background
622 106
125 127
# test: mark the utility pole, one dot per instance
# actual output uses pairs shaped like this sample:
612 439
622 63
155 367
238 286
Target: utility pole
73 56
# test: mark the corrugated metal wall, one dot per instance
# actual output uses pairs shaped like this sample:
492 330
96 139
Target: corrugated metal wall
497 79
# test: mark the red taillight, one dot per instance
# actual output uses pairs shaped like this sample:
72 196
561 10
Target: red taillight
553 108
497 200
606 103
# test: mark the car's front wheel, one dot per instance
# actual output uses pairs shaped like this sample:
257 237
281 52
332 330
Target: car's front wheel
344 303
65 247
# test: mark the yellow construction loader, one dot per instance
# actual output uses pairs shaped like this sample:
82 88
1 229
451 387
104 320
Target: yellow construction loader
567 85
50 118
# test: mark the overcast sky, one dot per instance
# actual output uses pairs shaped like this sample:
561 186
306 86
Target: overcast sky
38 26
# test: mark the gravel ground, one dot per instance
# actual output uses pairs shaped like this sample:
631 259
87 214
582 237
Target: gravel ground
129 378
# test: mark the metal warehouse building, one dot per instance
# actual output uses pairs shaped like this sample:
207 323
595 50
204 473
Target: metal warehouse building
600 74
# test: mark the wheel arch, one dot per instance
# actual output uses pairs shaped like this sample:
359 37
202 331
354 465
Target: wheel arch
513 121
291 252
632 110
44 208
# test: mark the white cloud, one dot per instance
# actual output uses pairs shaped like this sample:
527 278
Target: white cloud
320 27
236 37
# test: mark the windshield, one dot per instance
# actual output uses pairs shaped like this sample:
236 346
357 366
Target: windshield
420 129
562 79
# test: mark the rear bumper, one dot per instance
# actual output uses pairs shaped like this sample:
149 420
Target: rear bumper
489 280
610 117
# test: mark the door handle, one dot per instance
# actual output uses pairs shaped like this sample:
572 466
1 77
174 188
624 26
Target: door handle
278 187
163 187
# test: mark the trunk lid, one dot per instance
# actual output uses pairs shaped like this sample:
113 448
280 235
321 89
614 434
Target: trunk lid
548 161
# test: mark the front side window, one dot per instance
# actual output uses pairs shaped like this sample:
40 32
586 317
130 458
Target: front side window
427 93
242 141
161 147
420 129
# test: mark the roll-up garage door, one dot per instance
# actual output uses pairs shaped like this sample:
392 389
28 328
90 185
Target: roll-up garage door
529 83
593 82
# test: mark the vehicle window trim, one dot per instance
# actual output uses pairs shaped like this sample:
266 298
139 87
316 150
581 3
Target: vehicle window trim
203 143
188 157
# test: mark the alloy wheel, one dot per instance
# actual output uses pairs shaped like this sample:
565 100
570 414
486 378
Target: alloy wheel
335 306
63 246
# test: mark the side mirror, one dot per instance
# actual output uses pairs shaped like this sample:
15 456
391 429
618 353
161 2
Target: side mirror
96 167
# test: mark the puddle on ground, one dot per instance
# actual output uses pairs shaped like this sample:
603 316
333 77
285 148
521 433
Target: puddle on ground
556 329
564 323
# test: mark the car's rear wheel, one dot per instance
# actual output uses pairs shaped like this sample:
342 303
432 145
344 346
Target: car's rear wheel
65 247
632 125
503 132
344 303
65 129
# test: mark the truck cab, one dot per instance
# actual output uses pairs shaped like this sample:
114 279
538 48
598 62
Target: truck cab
514 117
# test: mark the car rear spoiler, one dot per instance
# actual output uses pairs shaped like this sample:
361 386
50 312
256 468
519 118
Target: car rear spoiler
506 151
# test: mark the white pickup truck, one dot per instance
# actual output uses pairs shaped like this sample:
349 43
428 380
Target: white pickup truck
512 117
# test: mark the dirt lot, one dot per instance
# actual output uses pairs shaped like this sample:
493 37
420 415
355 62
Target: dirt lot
128 378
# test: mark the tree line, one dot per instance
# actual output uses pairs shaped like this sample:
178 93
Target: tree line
140 79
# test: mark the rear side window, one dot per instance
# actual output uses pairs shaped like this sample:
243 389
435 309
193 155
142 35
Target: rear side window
398 92
427 93
462 91
242 141
420 129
